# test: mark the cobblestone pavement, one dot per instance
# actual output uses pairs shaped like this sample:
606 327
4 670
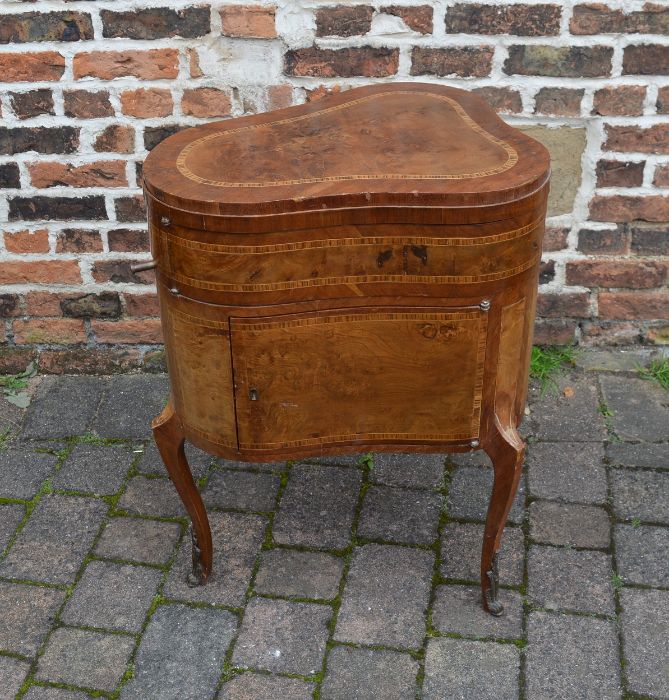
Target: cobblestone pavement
334 578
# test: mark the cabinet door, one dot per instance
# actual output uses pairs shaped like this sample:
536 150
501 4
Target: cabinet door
410 376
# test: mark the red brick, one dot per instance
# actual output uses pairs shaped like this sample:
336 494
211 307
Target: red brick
147 102
206 102
83 104
15 360
40 272
27 241
154 64
559 102
619 208
517 19
559 61
464 61
575 304
31 67
89 360
63 331
322 91
128 240
418 18
141 304
116 138
618 173
634 305
279 96
649 239
607 242
251 21
501 99
345 63
663 100
555 238
635 273
610 333
619 100
343 20
636 139
43 304
661 176
119 271
103 173
74 304
646 59
35 103
554 331
597 18
74 240
194 69
146 330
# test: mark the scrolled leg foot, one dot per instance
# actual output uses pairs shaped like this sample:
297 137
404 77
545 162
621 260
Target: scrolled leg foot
491 601
196 577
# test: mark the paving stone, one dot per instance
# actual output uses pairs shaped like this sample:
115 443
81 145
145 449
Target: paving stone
343 460
645 621
12 675
11 416
642 554
99 469
129 405
256 686
613 360
317 507
643 454
420 471
286 572
63 407
473 458
242 490
112 596
85 659
55 539
11 515
181 654
571 657
22 471
370 674
38 692
570 579
279 635
555 416
569 471
151 462
469 495
26 615
400 515
569 524
259 466
640 408
640 494
156 497
386 596
461 553
137 539
458 609
460 668
237 540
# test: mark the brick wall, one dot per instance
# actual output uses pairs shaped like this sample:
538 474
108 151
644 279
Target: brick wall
91 87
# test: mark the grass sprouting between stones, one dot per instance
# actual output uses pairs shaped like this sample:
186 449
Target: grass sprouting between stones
658 371
548 363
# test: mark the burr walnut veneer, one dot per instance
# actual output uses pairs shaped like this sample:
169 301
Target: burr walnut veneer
355 274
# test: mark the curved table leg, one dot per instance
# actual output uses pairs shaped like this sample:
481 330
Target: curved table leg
169 436
507 451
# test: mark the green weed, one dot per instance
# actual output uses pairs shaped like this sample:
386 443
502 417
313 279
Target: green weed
658 371
548 363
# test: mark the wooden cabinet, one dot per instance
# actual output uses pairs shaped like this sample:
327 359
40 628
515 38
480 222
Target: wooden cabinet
356 274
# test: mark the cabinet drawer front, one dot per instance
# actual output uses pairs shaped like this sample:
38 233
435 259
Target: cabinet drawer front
410 376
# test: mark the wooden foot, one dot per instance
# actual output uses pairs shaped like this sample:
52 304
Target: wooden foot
169 436
507 451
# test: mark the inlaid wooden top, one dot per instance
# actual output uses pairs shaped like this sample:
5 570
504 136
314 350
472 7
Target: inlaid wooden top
403 144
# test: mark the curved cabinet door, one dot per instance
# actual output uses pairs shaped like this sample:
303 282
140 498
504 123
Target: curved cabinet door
358 376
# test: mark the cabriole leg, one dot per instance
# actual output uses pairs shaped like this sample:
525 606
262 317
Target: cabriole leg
169 436
506 450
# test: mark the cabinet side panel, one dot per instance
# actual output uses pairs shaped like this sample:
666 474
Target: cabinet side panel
512 334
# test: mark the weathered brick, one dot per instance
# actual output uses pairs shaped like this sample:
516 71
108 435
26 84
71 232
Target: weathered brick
546 271
128 240
194 69
649 239
619 173
9 175
40 272
32 104
501 99
343 20
517 19
575 304
153 64
554 331
155 23
89 361
559 61
147 102
100 305
418 18
61 331
663 100
42 139
74 240
598 18
646 59
279 96
130 209
153 135
619 100
141 304
620 208
661 176
637 274
116 138
147 330
634 305
346 63
103 173
559 102
608 242
27 241
322 91
634 139
249 21
45 26
83 104
57 208
465 61
206 102
9 305
119 271
29 67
